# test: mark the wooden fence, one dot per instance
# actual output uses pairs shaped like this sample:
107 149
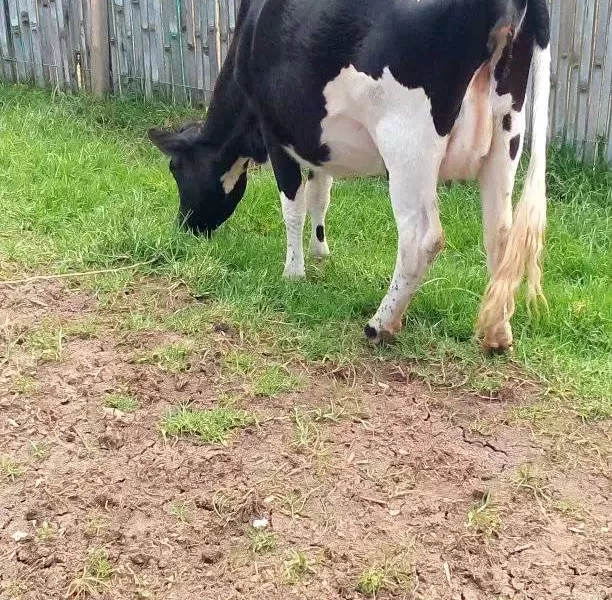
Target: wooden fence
174 48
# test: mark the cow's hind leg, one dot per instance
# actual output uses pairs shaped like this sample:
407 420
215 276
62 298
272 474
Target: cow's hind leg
496 177
318 190
413 176
293 202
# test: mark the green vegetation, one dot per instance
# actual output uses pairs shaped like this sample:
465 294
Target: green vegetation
210 426
81 188
123 402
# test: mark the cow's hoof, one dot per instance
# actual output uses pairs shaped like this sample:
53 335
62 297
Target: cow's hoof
498 341
318 249
495 347
294 274
377 337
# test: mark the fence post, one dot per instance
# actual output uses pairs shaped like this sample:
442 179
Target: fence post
100 50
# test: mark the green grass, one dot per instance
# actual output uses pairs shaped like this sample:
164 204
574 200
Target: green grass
10 469
209 426
123 402
81 188
174 358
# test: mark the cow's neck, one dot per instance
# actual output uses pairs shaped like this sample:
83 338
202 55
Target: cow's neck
231 126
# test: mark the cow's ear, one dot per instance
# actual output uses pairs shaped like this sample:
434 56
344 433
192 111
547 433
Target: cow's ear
170 143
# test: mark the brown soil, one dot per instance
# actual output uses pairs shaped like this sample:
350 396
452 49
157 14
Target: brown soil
396 477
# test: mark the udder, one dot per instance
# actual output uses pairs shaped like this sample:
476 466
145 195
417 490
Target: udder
352 149
470 139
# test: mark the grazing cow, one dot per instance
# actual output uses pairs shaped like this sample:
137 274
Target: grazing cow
422 90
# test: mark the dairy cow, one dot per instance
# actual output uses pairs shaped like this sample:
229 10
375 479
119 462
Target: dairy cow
420 90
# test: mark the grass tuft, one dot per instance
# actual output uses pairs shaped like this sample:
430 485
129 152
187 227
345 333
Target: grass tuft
387 577
297 567
10 469
97 574
209 426
483 518
123 402
174 358
262 542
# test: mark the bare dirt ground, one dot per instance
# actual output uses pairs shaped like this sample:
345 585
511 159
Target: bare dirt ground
373 483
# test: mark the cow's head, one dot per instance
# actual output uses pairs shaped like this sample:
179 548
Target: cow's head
207 197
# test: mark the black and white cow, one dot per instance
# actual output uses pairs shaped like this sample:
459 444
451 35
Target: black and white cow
423 90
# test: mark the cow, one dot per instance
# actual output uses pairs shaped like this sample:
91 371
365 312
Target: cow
421 91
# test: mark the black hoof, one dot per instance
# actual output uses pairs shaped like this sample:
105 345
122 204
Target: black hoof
371 333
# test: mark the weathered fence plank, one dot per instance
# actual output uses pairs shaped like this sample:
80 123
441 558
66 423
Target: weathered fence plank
175 48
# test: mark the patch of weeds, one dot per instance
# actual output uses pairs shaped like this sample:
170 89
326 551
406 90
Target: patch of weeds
595 409
391 577
174 358
39 450
262 542
46 532
182 511
275 380
97 574
241 363
137 321
85 330
10 469
209 426
123 402
46 344
306 431
25 385
296 567
484 518
335 412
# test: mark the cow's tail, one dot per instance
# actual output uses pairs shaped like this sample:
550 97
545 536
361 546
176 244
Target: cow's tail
526 237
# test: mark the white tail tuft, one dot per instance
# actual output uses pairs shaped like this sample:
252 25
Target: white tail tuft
526 238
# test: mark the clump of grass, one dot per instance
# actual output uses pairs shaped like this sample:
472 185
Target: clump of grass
124 402
296 567
46 344
45 532
209 426
97 574
275 380
262 542
174 358
390 577
10 469
483 518
39 450
182 511
25 385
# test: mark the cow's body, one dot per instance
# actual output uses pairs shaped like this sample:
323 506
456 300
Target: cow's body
421 89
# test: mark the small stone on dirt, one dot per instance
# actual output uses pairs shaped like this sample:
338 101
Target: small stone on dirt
19 536
261 523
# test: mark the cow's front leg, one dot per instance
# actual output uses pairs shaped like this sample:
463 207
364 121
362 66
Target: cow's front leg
293 202
413 176
318 193
294 213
